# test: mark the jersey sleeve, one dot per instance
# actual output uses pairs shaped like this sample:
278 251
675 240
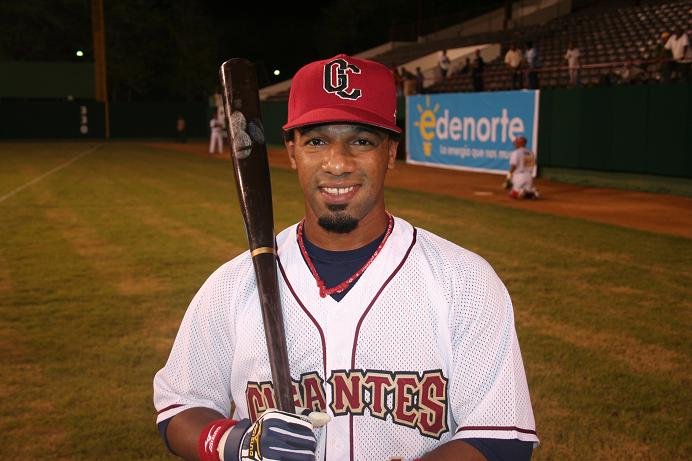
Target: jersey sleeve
197 373
513 158
488 392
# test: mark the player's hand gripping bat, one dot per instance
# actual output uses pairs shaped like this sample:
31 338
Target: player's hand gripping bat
251 166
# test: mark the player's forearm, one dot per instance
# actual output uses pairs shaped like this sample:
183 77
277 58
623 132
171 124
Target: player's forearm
184 430
454 450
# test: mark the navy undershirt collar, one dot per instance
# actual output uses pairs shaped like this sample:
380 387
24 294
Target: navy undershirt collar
336 266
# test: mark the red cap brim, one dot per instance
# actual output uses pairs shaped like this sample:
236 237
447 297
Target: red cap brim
342 114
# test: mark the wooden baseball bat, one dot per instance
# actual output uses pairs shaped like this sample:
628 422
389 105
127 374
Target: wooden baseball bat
251 167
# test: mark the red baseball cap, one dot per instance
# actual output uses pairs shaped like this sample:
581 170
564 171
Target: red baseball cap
343 89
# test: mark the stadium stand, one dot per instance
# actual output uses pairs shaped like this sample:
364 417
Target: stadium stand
609 35
608 40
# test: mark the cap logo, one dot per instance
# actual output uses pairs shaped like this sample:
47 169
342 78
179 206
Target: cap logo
336 79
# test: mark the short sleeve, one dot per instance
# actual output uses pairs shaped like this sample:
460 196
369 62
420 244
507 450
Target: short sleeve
489 394
513 158
197 373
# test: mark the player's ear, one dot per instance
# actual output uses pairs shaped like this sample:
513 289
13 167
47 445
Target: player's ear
393 146
289 142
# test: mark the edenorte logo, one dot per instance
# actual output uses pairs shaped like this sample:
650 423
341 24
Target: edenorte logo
441 126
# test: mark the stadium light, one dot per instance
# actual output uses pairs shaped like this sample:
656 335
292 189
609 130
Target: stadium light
277 72
79 53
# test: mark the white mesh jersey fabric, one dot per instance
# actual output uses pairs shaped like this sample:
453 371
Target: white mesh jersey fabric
421 350
523 159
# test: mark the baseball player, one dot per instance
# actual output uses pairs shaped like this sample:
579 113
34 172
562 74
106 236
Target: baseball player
522 164
216 140
404 341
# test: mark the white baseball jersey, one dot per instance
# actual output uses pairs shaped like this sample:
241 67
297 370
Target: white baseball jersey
420 351
525 161
216 139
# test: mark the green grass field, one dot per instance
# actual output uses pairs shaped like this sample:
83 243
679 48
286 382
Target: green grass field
99 260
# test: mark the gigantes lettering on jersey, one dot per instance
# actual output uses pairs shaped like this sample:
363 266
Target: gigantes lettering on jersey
405 398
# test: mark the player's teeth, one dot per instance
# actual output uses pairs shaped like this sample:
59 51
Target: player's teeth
338 190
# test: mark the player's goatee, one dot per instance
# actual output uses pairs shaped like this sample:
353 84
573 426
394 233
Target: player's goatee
338 222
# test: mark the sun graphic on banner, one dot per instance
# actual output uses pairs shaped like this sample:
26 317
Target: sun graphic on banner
426 124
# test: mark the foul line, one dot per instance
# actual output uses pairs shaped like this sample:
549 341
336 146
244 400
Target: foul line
44 175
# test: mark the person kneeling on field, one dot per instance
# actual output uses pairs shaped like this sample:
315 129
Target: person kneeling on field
521 165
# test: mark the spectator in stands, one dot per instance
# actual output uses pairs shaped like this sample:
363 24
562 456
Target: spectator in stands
572 56
664 57
398 81
477 66
513 60
534 62
678 44
466 68
443 64
420 80
409 81
629 73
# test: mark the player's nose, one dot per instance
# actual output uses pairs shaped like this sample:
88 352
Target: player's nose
338 159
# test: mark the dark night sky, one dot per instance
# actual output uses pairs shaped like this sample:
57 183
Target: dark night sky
171 49
291 35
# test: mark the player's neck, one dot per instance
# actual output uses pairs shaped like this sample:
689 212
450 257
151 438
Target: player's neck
369 228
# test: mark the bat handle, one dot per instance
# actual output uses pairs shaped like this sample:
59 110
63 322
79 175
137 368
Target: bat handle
270 301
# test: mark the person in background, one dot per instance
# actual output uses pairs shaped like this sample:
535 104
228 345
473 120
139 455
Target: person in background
629 73
180 129
443 64
398 80
678 44
522 164
216 139
466 68
477 66
420 80
663 57
572 56
409 80
534 62
513 60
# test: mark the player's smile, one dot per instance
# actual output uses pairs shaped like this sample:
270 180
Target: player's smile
338 194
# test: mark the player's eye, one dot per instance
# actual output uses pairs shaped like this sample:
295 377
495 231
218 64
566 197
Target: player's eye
314 142
363 142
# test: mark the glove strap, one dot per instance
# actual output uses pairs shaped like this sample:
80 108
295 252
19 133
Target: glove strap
208 442
231 447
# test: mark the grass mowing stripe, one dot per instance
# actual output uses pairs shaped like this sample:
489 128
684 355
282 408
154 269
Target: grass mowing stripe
602 405
48 173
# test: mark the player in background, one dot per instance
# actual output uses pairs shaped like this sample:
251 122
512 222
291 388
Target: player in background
216 139
404 339
522 165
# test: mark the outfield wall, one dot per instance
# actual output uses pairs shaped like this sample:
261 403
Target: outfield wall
36 119
45 119
633 129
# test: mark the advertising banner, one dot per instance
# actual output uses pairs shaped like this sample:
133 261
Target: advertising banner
470 131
